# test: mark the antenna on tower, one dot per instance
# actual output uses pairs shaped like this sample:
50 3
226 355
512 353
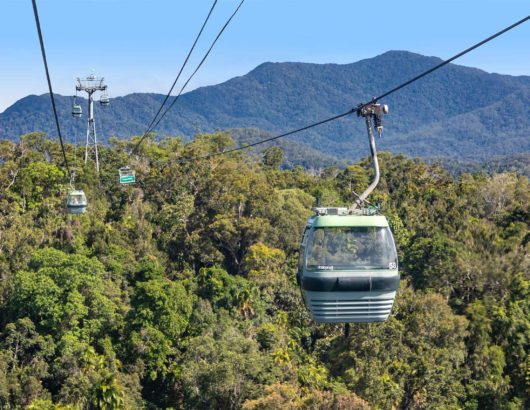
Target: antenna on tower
90 84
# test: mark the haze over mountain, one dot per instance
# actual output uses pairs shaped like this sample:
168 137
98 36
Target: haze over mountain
458 111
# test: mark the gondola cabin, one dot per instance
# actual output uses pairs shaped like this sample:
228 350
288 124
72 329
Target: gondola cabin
77 111
76 202
104 100
348 266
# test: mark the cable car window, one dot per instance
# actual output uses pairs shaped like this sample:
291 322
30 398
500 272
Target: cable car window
342 248
76 200
302 249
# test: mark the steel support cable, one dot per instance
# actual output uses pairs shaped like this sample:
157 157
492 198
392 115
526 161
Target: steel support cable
150 127
467 50
192 75
360 106
336 117
201 62
39 31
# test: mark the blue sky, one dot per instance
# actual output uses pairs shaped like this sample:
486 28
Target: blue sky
138 45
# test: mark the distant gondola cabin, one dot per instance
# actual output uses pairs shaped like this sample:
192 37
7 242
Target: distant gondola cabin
77 111
76 202
104 100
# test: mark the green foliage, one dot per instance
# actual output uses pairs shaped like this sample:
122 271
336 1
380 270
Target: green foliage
222 371
163 302
62 293
37 181
273 157
161 309
180 291
263 265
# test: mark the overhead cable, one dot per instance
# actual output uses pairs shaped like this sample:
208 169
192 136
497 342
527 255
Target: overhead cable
150 126
191 76
37 21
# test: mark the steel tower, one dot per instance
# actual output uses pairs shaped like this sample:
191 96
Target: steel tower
90 85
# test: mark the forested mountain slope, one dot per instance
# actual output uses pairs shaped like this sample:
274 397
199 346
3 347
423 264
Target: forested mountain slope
457 111
180 291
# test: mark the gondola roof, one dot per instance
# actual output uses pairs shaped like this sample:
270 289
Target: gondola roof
329 221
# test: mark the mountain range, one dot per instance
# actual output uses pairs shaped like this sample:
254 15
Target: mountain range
457 112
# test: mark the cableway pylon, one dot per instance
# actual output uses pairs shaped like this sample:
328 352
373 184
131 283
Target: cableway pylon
90 85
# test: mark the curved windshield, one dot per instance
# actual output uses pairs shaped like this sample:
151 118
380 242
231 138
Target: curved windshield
76 199
341 248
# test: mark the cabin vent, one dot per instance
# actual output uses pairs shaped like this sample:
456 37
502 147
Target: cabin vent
336 211
366 310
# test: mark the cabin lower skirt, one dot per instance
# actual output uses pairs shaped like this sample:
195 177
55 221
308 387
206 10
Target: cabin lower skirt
76 209
349 307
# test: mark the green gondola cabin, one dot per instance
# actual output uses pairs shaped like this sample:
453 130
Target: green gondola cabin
348 268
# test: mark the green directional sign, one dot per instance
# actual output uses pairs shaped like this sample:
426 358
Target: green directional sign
127 179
